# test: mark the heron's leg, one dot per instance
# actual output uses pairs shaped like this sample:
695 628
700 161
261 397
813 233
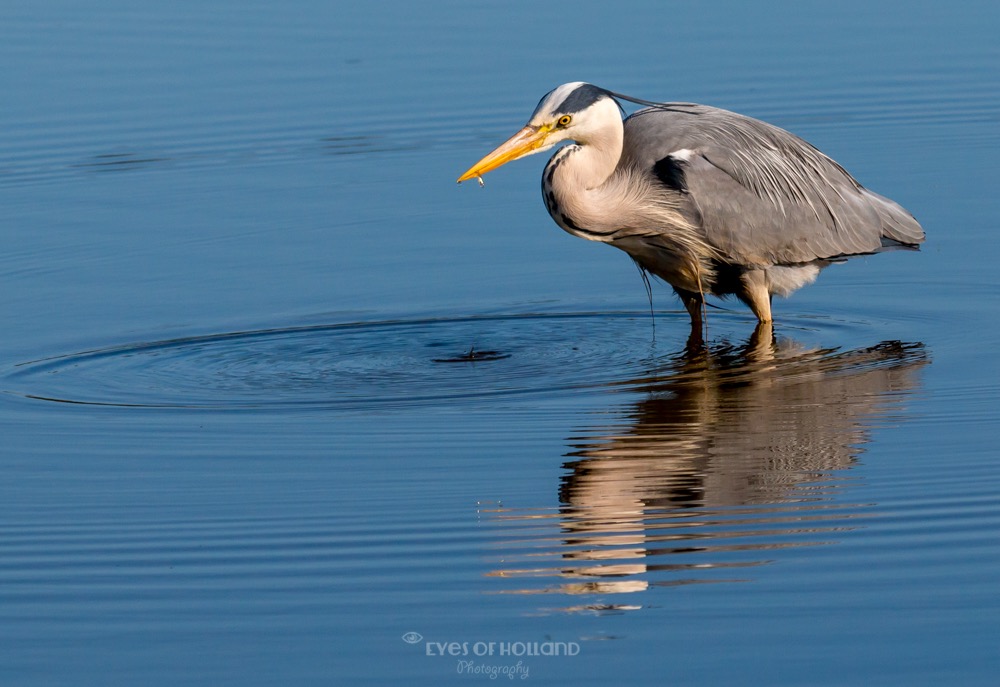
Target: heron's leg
695 306
755 294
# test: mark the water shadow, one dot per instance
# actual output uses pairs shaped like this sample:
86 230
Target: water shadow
119 162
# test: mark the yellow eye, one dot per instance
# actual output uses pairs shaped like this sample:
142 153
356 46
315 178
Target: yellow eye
564 121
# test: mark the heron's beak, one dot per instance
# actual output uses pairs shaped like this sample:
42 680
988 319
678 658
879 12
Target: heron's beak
526 141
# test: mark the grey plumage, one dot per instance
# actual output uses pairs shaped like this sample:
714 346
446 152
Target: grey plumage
764 196
709 200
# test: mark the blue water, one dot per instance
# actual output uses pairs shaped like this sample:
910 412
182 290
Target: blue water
276 393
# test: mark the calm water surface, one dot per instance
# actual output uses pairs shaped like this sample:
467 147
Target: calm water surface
282 404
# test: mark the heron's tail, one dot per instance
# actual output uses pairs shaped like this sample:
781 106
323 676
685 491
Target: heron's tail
899 227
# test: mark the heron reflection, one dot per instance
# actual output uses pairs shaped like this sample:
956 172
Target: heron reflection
732 454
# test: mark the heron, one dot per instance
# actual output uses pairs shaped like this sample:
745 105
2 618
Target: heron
708 200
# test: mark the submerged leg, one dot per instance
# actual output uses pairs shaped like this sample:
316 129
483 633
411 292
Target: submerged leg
694 303
754 293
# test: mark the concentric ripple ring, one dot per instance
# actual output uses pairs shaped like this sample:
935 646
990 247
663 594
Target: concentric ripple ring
433 361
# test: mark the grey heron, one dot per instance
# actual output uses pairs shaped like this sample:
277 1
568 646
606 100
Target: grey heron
708 200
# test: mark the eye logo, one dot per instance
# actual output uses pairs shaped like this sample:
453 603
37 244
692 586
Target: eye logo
412 637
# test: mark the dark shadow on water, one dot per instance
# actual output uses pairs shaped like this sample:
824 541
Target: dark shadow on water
732 455
473 356
118 162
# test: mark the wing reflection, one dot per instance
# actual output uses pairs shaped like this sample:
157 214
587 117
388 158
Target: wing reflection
732 452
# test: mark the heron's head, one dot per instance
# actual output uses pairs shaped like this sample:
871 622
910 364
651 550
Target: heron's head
572 112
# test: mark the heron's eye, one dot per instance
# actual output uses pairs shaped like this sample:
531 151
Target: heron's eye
564 121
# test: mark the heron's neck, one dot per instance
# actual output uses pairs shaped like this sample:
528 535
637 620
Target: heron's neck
596 158
575 180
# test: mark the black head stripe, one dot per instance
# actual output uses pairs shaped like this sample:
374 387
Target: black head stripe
582 97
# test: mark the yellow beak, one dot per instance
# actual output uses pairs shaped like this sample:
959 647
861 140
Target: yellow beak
524 142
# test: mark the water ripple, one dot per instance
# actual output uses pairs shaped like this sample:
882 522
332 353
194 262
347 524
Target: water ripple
419 361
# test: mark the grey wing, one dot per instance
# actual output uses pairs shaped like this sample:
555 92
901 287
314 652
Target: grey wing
761 195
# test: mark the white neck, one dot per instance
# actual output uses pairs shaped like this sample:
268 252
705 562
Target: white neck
597 157
579 176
